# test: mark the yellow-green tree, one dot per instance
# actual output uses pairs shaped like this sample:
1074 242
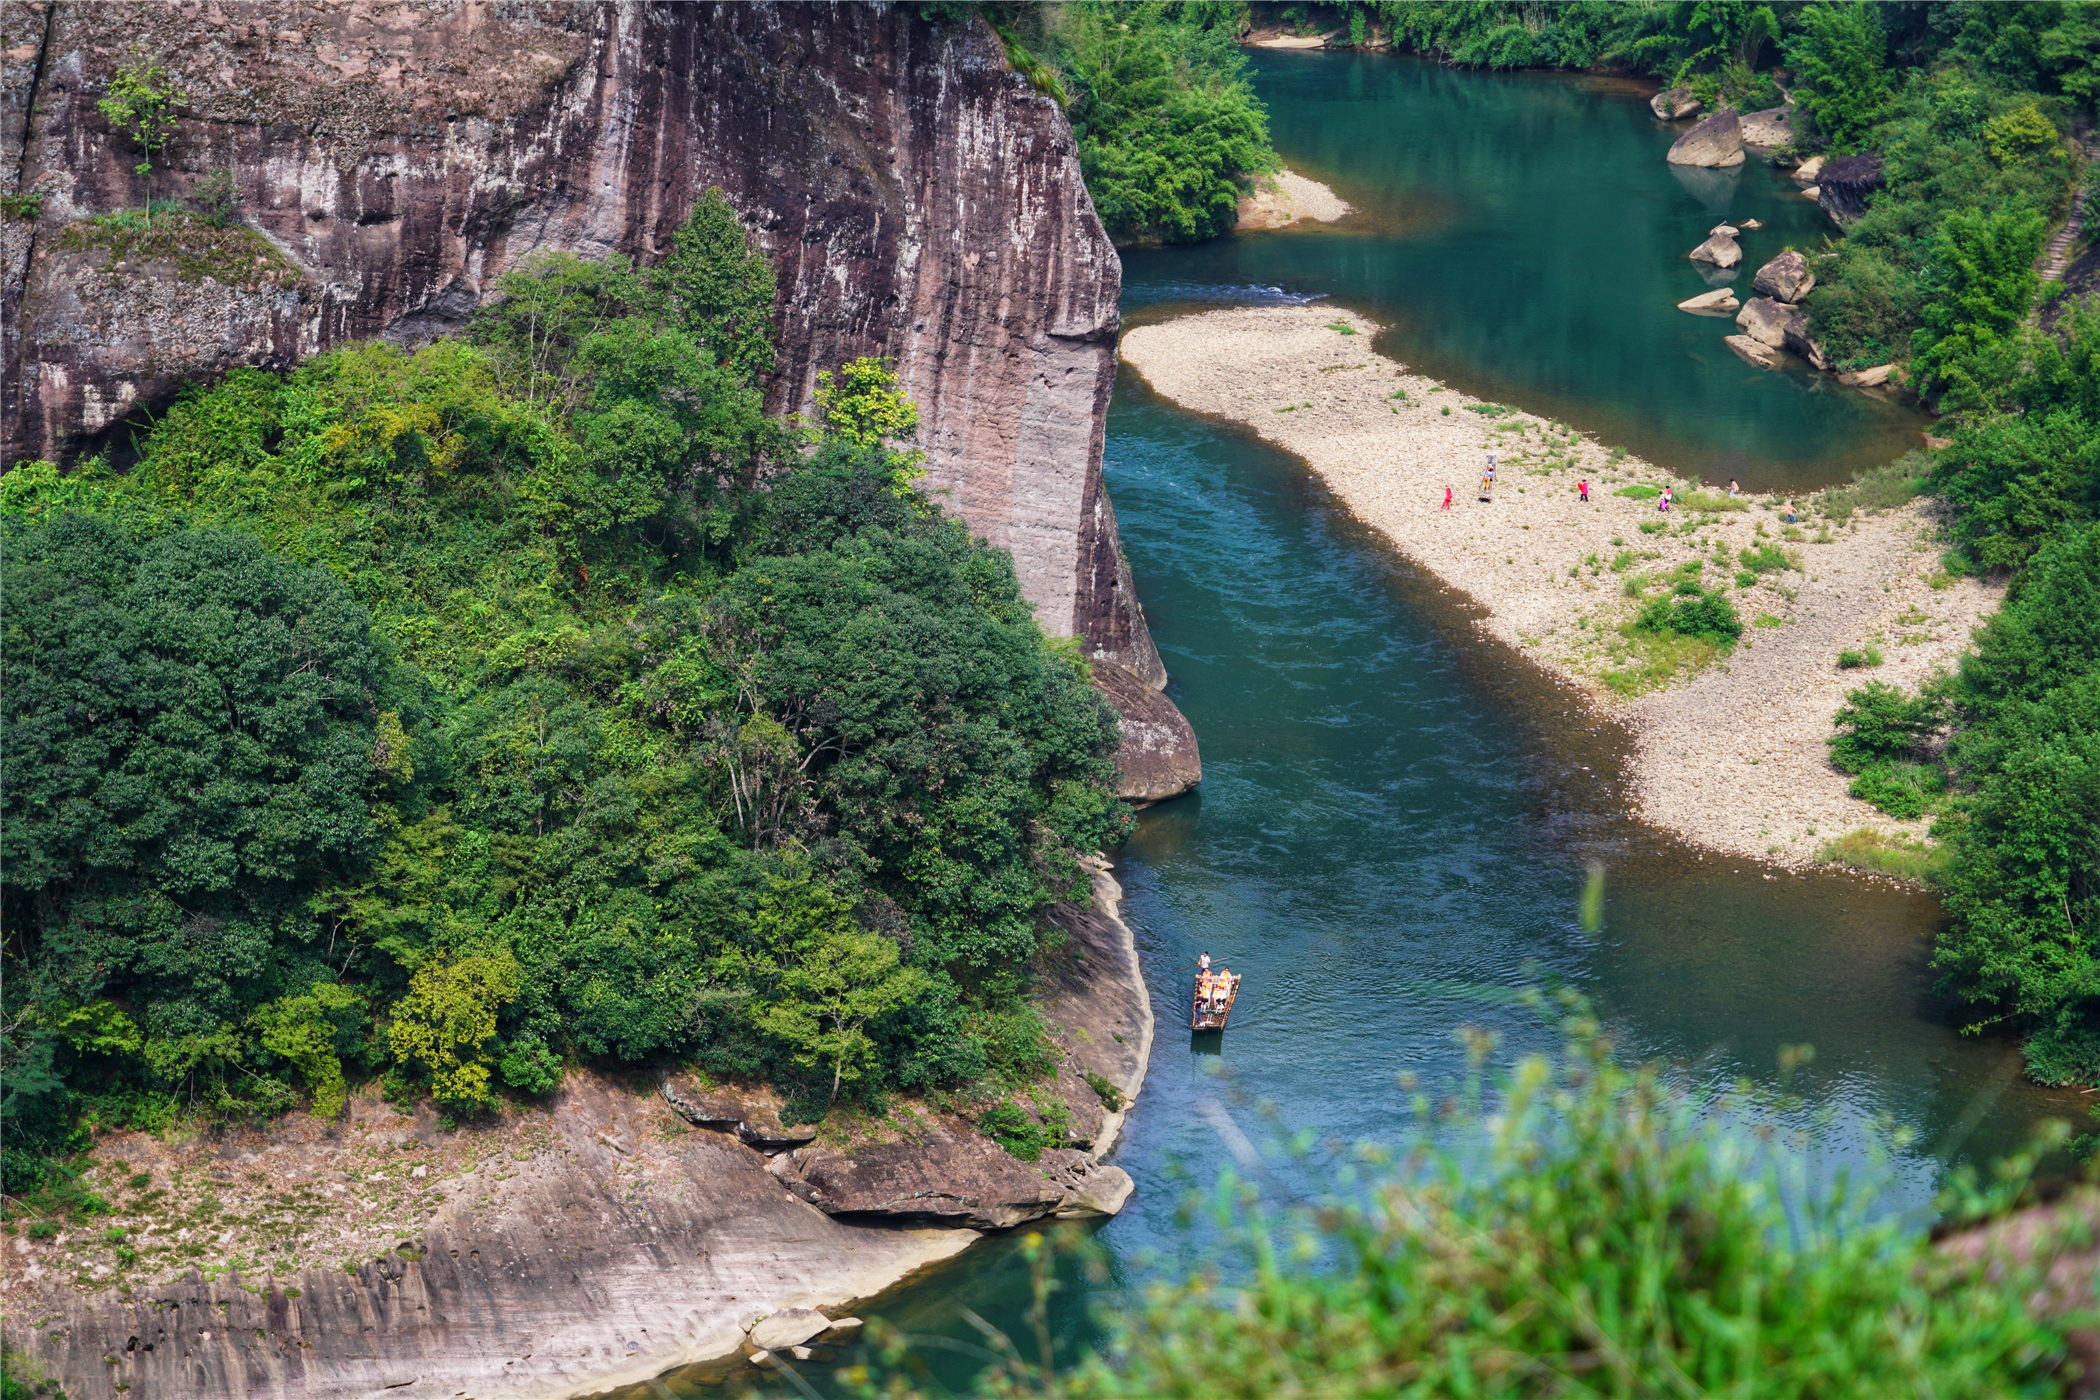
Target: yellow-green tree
862 405
302 1029
828 977
448 1018
141 104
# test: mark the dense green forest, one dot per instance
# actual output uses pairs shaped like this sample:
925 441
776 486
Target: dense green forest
526 698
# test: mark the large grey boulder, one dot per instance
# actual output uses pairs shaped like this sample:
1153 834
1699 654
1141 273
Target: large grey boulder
1772 127
1764 320
1713 143
1158 757
1720 250
1785 278
1674 104
1755 351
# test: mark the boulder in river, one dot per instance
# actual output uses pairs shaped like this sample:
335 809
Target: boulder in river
1785 278
1844 186
1720 299
1755 351
1764 320
1724 231
1867 378
1798 340
1715 142
1674 104
1158 757
1772 127
1812 192
1753 223
1807 170
1720 250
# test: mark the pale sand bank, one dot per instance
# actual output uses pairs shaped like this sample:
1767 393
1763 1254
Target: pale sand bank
1287 198
1732 758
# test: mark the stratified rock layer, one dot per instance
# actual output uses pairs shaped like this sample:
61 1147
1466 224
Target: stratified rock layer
920 199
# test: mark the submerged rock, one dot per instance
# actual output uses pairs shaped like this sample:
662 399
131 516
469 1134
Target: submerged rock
1785 278
1720 250
1675 104
1713 143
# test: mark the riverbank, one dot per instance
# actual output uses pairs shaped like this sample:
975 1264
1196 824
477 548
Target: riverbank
554 1252
1730 756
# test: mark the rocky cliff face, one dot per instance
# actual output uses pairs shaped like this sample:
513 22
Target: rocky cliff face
920 199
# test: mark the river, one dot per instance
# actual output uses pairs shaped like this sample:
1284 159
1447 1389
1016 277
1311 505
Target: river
1391 833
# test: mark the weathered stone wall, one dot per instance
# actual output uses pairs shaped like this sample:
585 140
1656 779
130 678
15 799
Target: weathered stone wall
920 199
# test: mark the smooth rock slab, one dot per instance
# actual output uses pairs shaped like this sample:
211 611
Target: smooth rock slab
1785 278
1714 143
1755 351
790 1327
1869 378
1720 299
1720 250
1807 170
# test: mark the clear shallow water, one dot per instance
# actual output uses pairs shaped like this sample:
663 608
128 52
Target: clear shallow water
1522 238
1389 843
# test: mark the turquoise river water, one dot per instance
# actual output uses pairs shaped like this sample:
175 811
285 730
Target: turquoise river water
1392 828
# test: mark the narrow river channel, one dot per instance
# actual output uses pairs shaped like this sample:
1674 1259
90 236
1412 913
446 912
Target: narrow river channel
1390 837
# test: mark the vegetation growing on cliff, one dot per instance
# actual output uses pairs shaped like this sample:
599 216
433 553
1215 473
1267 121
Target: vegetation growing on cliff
529 695
1170 131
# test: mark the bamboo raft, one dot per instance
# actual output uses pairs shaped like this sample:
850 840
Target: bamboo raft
1212 1017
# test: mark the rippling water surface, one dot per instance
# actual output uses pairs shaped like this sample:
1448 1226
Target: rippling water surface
1390 835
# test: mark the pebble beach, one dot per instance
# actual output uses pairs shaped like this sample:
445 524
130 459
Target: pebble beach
1728 749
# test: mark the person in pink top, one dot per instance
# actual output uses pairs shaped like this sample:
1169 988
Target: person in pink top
1447 498
1584 487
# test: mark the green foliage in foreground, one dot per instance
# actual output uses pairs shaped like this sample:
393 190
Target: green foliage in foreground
528 697
1601 1233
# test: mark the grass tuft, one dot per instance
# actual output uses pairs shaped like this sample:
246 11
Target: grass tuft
1879 853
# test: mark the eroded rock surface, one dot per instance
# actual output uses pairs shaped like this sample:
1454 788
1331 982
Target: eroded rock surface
1843 186
921 201
1158 758
1718 249
1715 143
1674 104
1772 127
1785 278
1765 320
